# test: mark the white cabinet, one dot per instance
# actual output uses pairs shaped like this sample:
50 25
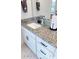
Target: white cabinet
29 39
44 50
41 48
32 41
43 53
45 44
55 54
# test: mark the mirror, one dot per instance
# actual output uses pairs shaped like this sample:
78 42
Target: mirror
38 8
54 6
44 8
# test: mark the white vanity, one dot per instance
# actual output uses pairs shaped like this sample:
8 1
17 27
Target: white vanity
38 45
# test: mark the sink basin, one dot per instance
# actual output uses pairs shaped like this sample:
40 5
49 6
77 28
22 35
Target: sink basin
34 25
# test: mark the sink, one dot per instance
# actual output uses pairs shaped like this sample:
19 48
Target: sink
34 25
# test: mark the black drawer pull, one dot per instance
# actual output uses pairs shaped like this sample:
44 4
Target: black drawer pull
43 52
40 57
27 38
43 44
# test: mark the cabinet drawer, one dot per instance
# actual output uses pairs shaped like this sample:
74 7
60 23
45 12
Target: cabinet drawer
44 52
45 44
55 55
40 56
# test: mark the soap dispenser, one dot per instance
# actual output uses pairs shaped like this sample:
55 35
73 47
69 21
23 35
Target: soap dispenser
54 23
38 6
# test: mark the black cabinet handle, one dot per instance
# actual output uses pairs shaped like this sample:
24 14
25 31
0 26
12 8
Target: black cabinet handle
43 44
43 52
40 57
27 38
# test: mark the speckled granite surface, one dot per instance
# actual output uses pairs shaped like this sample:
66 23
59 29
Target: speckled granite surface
43 32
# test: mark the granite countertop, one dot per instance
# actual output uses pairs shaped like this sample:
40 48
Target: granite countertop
43 32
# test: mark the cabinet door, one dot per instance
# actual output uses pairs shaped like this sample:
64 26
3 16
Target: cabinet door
55 55
25 34
32 41
29 39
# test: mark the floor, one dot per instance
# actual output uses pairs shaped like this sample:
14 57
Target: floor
26 53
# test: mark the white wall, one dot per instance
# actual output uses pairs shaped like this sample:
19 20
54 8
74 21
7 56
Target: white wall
28 14
45 9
